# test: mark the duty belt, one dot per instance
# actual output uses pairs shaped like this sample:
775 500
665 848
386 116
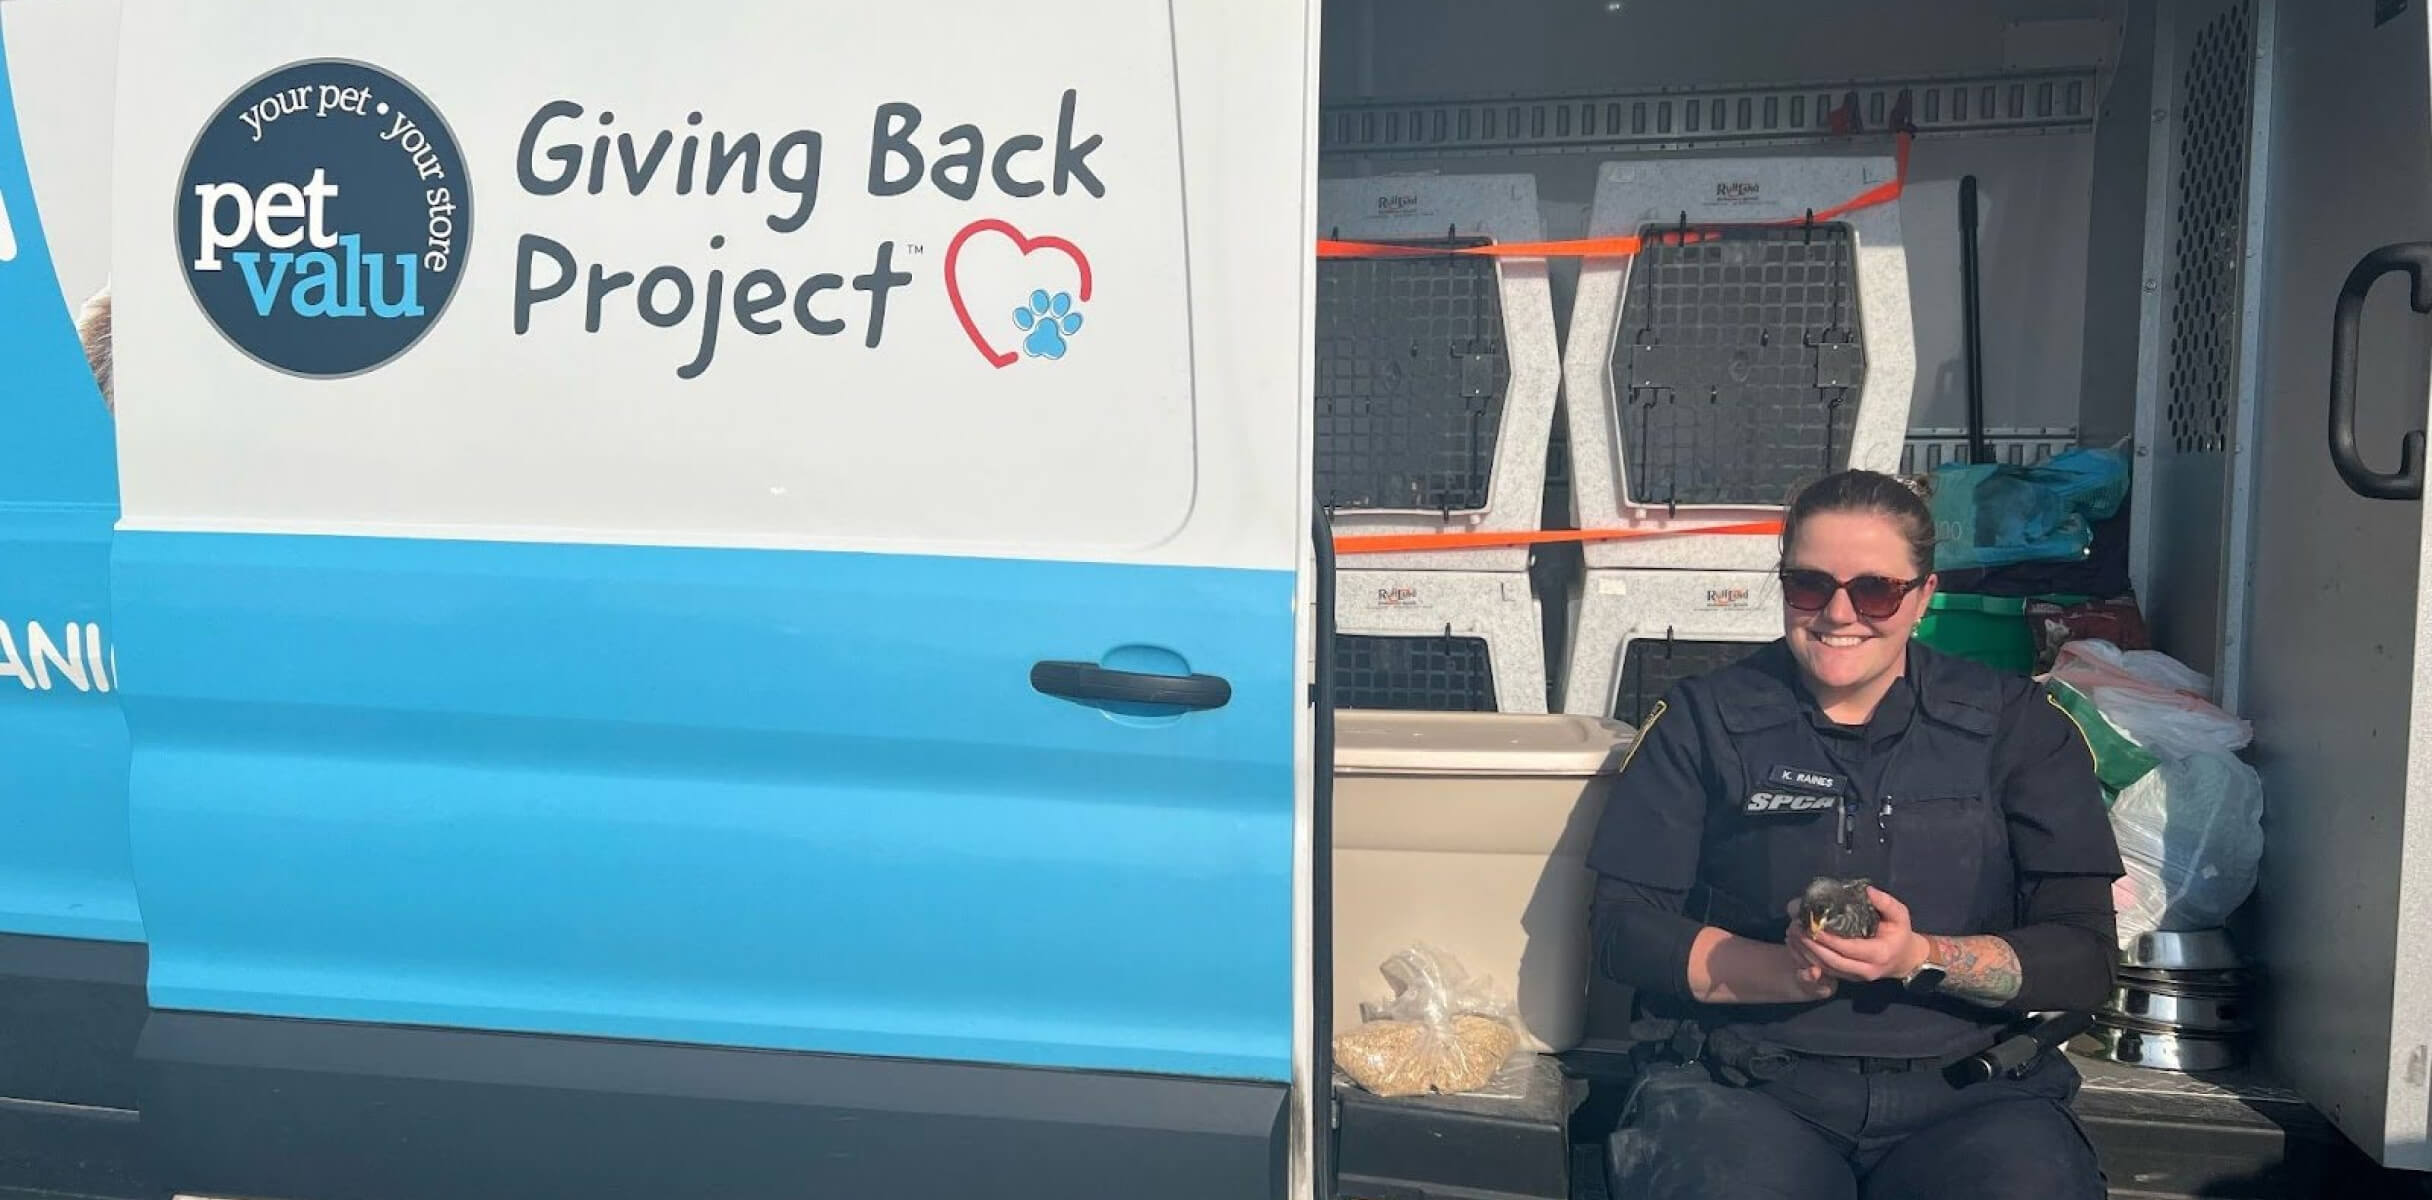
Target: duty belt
1739 1059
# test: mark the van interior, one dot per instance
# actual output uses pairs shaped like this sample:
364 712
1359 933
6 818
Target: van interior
2113 224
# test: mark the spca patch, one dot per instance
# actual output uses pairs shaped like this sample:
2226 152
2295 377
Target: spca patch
1773 804
1793 790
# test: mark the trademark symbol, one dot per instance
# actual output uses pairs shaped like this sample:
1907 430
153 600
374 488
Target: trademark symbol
915 248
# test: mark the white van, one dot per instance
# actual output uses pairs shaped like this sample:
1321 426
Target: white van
742 600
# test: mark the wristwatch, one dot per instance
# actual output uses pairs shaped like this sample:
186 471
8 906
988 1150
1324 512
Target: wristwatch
1925 980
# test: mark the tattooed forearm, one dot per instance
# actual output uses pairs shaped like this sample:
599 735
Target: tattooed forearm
1980 970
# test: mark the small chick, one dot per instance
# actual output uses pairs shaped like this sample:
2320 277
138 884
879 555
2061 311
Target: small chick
1838 907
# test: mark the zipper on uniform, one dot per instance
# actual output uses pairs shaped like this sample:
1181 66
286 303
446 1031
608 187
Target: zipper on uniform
1883 822
1849 823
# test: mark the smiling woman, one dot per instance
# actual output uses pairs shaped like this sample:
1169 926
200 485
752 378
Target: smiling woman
1870 538
1845 751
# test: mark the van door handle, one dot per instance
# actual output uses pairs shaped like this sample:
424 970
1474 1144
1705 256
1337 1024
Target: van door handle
1091 682
2407 483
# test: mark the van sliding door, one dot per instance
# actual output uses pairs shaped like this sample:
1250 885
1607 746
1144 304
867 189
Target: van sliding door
719 591
2340 623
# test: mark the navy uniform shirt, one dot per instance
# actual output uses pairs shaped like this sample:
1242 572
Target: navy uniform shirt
1970 796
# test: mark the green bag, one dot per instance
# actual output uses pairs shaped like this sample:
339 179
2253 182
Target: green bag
2118 761
1992 630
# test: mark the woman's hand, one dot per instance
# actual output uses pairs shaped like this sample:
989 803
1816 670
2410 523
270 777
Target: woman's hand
1895 952
1807 980
1810 979
1732 970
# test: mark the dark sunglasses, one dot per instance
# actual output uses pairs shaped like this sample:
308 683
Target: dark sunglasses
1873 596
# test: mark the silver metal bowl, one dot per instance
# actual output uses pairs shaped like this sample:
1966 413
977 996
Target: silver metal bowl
2182 1052
2184 1013
2182 950
2185 983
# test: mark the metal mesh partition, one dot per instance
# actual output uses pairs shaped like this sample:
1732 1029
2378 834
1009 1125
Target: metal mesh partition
1411 377
1650 666
1431 673
1739 360
2205 263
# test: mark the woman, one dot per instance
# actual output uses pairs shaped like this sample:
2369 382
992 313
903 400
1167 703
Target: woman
93 329
1796 1062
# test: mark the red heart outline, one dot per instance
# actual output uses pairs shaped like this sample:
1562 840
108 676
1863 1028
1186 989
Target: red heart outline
954 284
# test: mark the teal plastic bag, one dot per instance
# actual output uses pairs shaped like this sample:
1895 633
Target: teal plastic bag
1994 514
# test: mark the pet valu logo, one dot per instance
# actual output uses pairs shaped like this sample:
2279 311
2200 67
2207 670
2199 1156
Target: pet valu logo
323 218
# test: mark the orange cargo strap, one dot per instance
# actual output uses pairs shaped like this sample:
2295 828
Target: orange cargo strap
1621 246
1405 543
1882 193
1595 247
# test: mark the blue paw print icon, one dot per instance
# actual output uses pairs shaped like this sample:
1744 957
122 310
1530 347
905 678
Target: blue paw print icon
1049 320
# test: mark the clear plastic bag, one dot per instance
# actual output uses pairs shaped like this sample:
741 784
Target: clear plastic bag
2190 830
2191 835
1444 1031
2153 698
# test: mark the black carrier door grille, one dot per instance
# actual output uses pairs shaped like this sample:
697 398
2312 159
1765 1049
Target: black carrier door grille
1427 672
1738 361
1411 376
1651 666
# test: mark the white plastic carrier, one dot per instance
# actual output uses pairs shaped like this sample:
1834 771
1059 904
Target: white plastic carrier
1633 634
1707 381
1463 641
1436 376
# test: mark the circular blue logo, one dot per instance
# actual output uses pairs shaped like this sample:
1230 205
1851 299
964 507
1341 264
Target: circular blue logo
323 218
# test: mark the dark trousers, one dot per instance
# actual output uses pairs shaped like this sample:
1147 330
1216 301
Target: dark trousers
1827 1130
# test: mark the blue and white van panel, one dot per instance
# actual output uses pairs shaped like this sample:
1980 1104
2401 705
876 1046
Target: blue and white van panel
71 932
63 866
761 548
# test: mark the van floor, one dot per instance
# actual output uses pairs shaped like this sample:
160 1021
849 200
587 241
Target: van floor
2233 1134
2230 1134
